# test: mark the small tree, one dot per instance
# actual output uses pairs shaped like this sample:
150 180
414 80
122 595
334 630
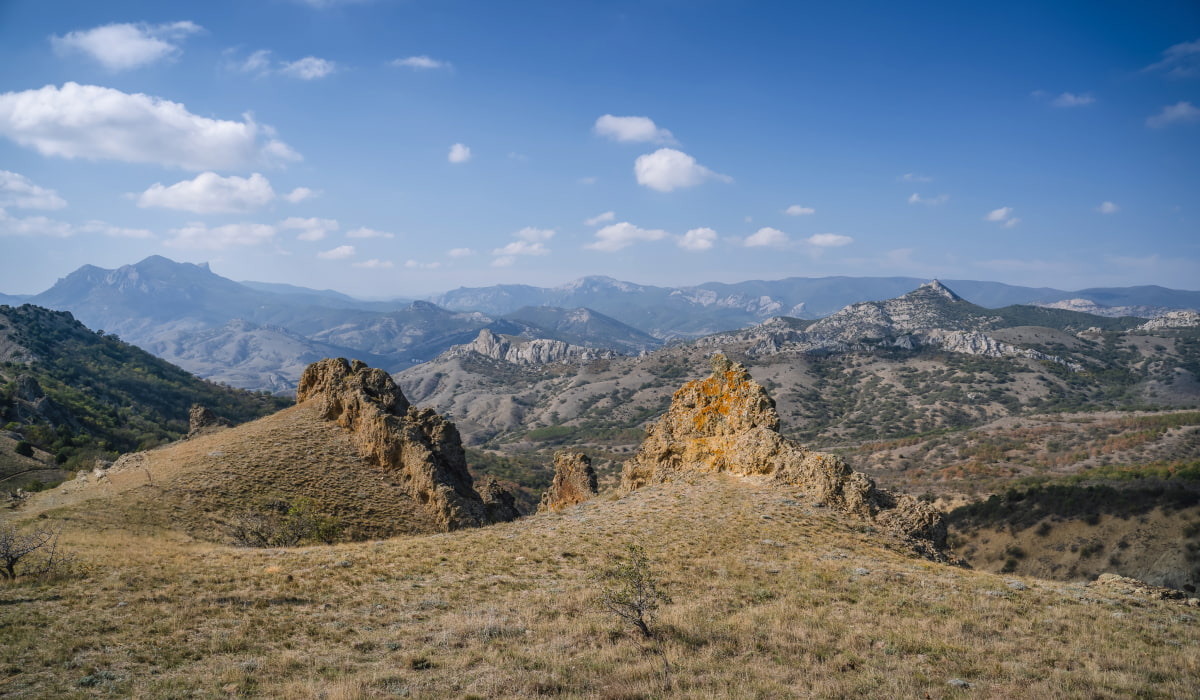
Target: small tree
631 591
17 548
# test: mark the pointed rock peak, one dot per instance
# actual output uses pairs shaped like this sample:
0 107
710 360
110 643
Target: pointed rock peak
936 287
337 384
574 482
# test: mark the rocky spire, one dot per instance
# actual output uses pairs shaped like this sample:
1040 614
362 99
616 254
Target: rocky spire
574 482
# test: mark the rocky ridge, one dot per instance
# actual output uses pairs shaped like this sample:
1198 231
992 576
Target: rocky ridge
574 482
728 423
420 446
1172 319
522 351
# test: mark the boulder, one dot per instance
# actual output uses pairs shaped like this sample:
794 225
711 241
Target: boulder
574 482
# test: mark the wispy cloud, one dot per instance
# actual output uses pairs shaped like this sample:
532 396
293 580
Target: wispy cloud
915 198
1179 61
1178 113
915 177
1070 99
309 68
1002 216
600 218
829 240
364 232
200 236
120 47
310 229
341 252
16 190
419 63
1108 208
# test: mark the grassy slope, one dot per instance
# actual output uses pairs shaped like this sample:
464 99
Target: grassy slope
772 598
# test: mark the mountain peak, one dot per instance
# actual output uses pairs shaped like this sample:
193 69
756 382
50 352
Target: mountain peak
936 287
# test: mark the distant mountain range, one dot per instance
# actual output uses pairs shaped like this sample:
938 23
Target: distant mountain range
258 335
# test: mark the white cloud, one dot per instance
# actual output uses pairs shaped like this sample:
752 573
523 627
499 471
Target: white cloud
364 232
522 248
16 190
459 154
308 68
1108 208
258 62
374 264
1070 99
504 261
41 226
1178 113
631 129
915 198
600 218
797 210
1180 61
416 265
339 253
199 235
419 63
535 234
667 169
1009 223
310 229
829 240
460 252
88 121
698 239
209 193
614 237
999 214
766 236
915 177
300 194
120 47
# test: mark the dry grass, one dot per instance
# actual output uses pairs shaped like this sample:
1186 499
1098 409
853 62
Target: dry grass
773 597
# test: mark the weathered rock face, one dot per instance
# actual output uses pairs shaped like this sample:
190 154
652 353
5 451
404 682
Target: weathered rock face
201 420
420 446
728 423
541 351
498 501
574 482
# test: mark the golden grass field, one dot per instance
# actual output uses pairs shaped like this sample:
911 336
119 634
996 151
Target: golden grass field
773 597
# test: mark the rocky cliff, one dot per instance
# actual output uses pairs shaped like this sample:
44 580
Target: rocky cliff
422 448
728 423
522 351
574 482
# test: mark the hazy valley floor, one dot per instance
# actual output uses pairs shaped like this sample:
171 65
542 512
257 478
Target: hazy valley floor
773 597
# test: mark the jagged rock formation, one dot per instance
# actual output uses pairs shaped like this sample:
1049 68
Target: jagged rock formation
1088 306
498 502
574 482
728 423
522 351
1172 319
421 447
201 419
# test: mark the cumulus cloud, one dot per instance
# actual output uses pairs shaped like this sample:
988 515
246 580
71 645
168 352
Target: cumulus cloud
200 236
16 190
766 236
1070 99
1108 208
209 193
1179 61
460 252
829 240
419 63
600 218
631 129
530 241
300 194
364 232
698 239
88 121
667 169
1002 216
797 210
1178 113
120 47
339 253
614 237
373 264
459 153
40 226
308 68
915 198
310 229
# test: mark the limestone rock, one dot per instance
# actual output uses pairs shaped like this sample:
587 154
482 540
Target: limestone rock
523 351
728 423
1131 586
201 420
574 482
420 446
498 501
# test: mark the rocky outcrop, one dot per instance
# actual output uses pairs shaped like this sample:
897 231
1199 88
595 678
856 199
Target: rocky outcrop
521 351
498 502
1172 319
202 420
728 423
422 448
574 482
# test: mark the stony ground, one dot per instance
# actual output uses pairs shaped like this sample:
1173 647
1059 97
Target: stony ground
773 597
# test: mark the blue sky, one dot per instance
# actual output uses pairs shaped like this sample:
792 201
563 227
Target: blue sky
405 147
